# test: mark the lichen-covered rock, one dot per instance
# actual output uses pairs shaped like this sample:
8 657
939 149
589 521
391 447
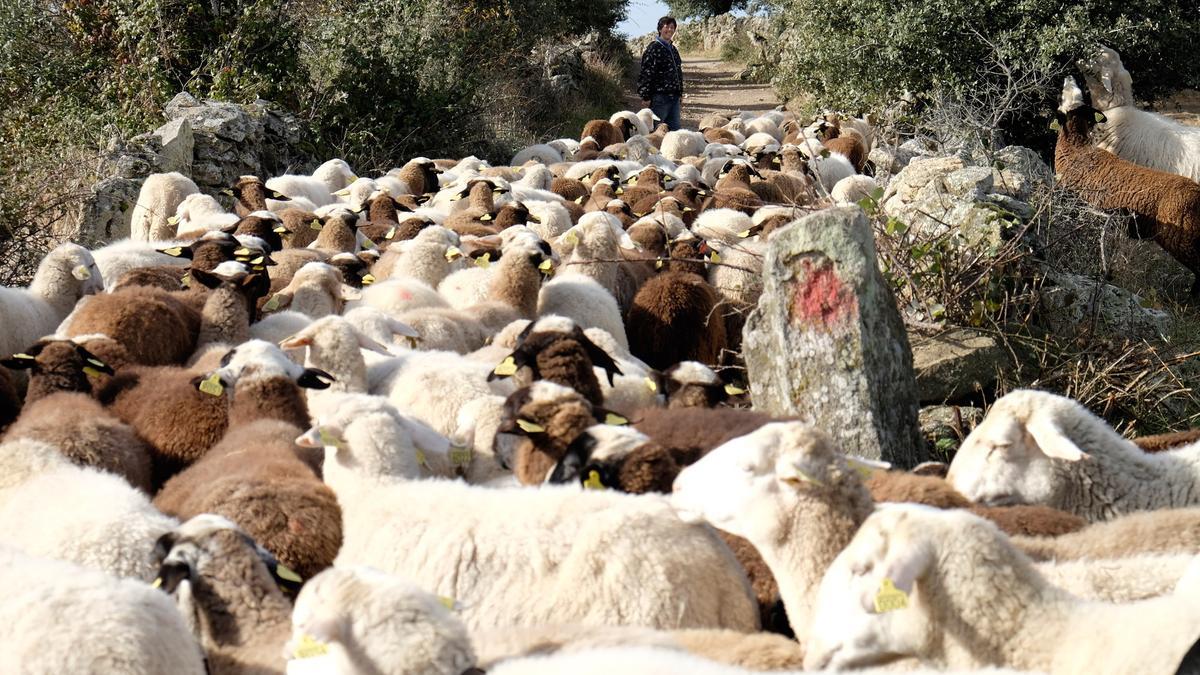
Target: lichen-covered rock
955 364
1071 302
826 343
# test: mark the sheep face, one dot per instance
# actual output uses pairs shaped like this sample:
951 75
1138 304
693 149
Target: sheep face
869 605
1019 453
758 477
1107 80
260 360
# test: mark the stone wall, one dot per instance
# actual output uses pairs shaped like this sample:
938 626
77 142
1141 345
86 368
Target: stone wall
211 142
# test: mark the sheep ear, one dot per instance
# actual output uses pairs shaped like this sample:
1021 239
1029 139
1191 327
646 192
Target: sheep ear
904 565
315 378
1052 441
600 358
92 361
171 574
570 468
1106 81
19 362
206 279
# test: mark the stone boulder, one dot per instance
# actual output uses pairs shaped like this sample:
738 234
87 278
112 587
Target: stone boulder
945 426
955 364
1070 302
826 343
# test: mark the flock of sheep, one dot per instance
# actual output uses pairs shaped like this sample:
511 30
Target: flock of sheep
463 419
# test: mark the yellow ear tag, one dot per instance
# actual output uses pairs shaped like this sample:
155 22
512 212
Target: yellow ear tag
460 455
242 251
280 230
714 257
328 439
484 261
619 191
633 181
650 384
530 427
310 647
367 243
23 356
257 261
449 603
613 419
272 304
658 263
802 477
486 216
390 233
286 573
776 161
212 385
157 583
579 200
506 367
173 220
88 370
174 251
744 233
547 266
571 238
452 253
97 362
593 481
421 458
1055 126
315 225
1100 118
734 391
81 273
889 598
368 279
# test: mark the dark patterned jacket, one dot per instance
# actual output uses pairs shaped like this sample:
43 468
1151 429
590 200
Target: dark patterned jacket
662 71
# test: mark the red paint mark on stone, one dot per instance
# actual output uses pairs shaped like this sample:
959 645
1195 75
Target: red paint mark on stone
821 297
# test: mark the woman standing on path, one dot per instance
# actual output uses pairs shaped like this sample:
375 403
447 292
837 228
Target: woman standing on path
660 82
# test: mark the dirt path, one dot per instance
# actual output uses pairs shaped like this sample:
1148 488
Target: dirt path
711 86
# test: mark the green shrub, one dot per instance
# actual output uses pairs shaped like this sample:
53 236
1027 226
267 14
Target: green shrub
865 53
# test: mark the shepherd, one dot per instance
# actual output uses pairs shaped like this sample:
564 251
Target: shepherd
660 83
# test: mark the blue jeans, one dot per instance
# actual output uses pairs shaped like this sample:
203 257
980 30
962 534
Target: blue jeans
666 106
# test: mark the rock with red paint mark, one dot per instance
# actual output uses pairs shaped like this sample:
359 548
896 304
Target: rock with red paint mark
826 343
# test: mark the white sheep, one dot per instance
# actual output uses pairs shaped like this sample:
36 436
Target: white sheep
157 201
586 302
318 188
199 213
51 507
1035 447
398 295
543 153
528 556
56 617
365 619
683 143
65 275
1139 136
911 584
118 258
725 225
853 189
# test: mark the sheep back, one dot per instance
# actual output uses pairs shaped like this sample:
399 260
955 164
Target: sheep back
155 327
674 318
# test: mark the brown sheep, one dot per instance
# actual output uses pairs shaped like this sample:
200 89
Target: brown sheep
254 477
569 189
1161 442
733 190
898 486
555 349
156 327
250 195
550 417
1166 207
675 317
603 132
302 227
719 135
420 174
850 144
478 218
86 434
56 366
647 183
